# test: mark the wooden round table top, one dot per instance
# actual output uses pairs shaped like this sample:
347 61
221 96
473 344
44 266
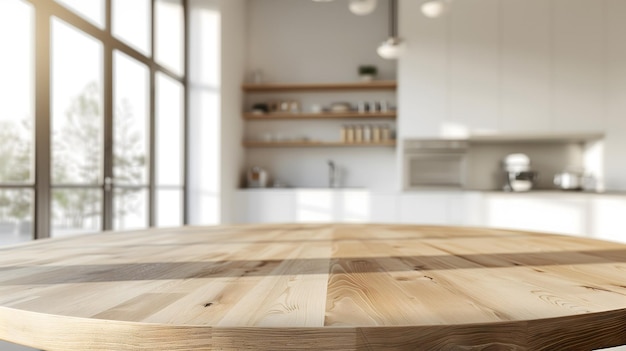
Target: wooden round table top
335 287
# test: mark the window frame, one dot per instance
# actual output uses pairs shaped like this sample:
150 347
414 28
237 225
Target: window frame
44 11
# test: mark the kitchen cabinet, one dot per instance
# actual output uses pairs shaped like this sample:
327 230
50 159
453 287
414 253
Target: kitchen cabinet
525 80
473 63
348 205
440 208
263 206
529 66
570 213
551 212
607 214
426 208
579 62
266 93
307 206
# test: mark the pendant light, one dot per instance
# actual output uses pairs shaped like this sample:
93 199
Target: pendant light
435 8
391 48
362 7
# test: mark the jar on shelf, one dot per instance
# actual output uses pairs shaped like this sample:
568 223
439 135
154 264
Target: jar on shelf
350 134
344 134
358 134
367 133
376 134
385 133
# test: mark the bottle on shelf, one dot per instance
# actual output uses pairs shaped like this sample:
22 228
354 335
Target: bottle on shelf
344 134
376 134
350 134
367 133
385 133
358 134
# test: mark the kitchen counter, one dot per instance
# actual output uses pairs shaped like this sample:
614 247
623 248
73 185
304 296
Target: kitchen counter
427 190
340 287
585 214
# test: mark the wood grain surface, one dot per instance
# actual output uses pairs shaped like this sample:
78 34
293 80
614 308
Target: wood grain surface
314 287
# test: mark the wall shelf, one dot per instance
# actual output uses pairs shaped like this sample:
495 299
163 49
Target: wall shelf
270 144
325 115
273 87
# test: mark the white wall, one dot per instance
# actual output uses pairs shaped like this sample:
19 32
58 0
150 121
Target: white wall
217 51
549 66
305 41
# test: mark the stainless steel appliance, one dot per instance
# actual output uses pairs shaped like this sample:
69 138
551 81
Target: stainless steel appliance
517 173
434 163
257 177
574 180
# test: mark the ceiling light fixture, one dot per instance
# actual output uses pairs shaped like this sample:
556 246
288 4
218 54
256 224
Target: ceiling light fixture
362 7
435 8
393 47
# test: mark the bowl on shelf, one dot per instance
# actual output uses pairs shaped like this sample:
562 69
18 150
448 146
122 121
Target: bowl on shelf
340 107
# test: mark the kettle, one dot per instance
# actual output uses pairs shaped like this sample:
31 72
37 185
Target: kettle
573 180
257 177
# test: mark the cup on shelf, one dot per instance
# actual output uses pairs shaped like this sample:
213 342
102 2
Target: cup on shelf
384 106
363 106
316 108
294 106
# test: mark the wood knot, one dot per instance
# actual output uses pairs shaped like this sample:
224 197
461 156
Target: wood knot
208 304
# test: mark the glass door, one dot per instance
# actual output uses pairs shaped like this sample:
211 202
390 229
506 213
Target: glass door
131 143
92 125
77 131
17 127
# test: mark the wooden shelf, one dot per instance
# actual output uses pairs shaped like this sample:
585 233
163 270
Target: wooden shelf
264 144
271 87
325 115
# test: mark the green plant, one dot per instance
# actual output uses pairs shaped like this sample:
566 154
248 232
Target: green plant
368 70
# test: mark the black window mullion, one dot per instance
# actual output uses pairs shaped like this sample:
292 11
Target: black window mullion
152 180
42 215
107 203
185 114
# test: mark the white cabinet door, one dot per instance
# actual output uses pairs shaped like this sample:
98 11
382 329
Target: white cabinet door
310 206
325 205
384 208
608 213
422 74
579 65
425 208
473 62
526 66
562 214
265 206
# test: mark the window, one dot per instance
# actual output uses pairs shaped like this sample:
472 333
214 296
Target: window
91 10
132 21
113 152
169 151
169 37
131 142
17 142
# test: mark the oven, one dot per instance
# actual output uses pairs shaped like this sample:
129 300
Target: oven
434 163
